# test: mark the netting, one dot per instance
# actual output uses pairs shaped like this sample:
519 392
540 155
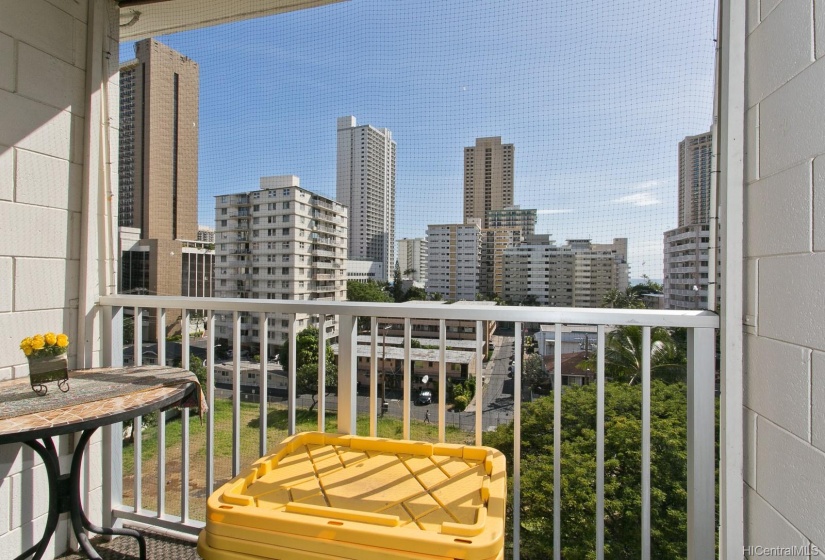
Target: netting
594 97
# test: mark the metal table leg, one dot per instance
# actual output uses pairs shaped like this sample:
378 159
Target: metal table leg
48 453
80 523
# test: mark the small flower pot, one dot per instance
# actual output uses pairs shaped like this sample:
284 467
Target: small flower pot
47 369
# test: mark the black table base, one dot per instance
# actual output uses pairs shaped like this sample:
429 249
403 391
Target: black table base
64 495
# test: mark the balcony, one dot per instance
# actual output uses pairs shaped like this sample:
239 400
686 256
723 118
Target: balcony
768 165
137 499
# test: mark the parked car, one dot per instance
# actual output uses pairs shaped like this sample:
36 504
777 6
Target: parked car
424 397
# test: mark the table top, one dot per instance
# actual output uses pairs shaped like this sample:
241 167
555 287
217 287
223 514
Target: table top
97 397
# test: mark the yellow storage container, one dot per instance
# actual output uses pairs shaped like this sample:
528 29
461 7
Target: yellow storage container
358 498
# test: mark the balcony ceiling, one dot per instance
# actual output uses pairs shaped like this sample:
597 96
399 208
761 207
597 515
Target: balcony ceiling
140 19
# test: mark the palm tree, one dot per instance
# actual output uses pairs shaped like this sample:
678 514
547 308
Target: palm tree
623 355
628 299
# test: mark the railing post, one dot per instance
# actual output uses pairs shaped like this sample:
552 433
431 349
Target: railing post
112 440
347 369
700 444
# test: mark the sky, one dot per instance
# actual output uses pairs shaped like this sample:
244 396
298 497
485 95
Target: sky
595 96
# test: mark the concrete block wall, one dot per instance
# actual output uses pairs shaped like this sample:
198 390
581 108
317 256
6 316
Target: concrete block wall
784 291
43 96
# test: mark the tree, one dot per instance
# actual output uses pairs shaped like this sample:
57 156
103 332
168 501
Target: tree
623 355
534 373
306 381
415 294
306 350
622 300
306 371
397 284
622 490
366 291
647 287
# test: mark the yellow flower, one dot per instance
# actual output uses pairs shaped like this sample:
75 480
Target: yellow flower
38 342
27 350
26 342
62 340
50 338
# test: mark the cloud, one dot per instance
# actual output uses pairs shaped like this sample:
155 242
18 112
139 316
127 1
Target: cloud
646 185
549 211
639 199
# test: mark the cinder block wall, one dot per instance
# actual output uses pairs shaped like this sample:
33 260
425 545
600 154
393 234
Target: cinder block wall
784 250
43 95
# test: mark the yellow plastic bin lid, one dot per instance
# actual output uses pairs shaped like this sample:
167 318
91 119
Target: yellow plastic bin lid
358 497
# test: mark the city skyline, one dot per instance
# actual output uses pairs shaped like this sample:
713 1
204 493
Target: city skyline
596 130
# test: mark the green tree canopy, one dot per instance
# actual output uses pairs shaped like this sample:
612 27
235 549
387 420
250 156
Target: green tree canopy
306 373
367 291
306 350
415 294
534 373
623 355
397 284
622 492
628 299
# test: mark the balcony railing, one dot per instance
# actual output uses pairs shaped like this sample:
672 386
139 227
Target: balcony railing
185 513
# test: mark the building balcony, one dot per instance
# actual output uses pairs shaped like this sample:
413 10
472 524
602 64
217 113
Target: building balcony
137 496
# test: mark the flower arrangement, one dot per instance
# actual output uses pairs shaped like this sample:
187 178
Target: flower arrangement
42 345
47 360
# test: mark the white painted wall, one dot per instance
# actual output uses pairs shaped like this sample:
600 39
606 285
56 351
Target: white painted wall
784 250
43 174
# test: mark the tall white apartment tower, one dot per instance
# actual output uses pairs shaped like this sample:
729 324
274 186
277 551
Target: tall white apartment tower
366 186
412 257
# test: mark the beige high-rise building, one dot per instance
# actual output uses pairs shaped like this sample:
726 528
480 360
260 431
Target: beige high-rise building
688 246
488 178
158 164
506 227
695 154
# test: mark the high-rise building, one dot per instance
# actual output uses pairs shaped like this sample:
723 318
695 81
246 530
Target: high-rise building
539 272
599 268
687 247
206 234
695 155
366 186
495 241
158 168
279 242
158 164
686 267
578 274
506 227
412 258
488 178
453 260
523 219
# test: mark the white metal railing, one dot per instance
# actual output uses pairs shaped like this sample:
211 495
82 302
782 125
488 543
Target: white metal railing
700 327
